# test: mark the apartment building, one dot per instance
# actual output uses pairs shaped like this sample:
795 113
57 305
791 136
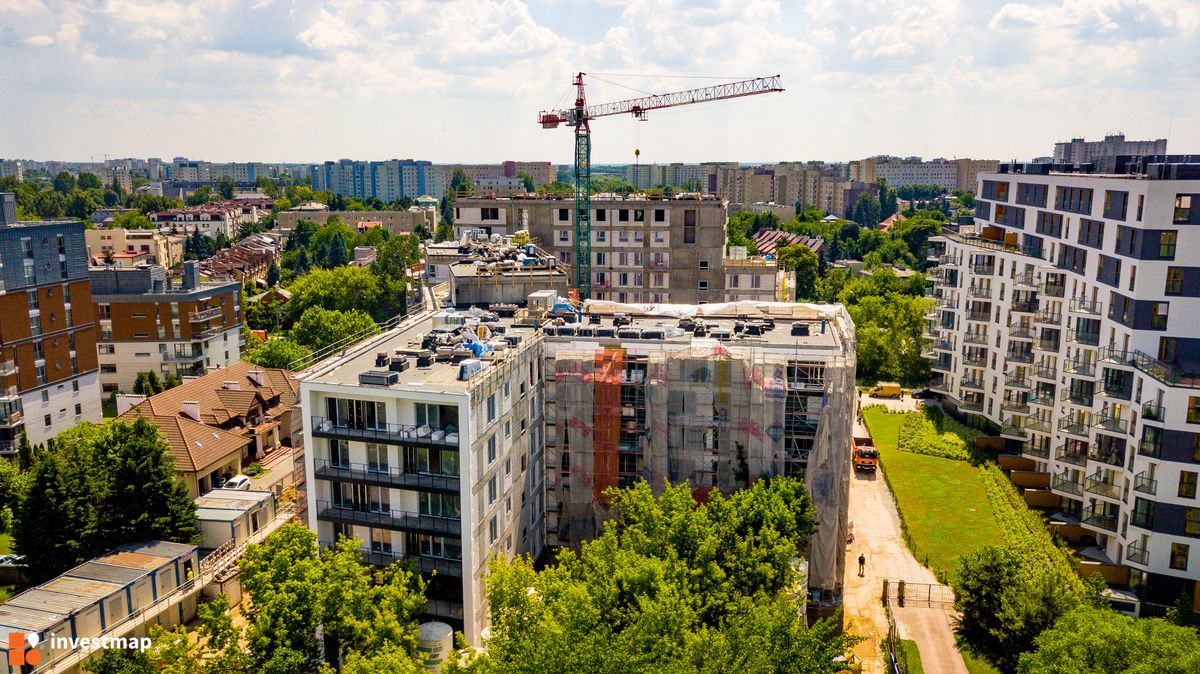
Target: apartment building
1079 151
149 323
156 247
542 172
385 180
951 174
757 278
716 395
430 457
395 222
1065 318
644 249
11 168
48 370
211 220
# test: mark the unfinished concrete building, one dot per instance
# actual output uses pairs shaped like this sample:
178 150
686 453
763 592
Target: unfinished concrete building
498 271
715 395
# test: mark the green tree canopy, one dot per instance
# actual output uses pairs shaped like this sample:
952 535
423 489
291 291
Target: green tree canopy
319 327
278 352
347 288
1101 641
807 266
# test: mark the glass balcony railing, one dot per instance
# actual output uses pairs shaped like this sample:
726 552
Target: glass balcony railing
1039 425
973 383
1052 289
1149 448
1145 484
1153 412
1065 483
1074 426
1100 519
1051 345
1163 372
1080 305
1046 372
1080 368
1111 423
1084 338
1013 380
1071 455
1096 484
1019 357
1110 456
971 406
982 316
1137 554
1038 451
975 337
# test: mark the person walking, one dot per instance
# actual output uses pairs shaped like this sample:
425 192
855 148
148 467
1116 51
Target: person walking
862 565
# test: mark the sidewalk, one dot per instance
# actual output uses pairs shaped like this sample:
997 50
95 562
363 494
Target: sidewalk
277 469
878 537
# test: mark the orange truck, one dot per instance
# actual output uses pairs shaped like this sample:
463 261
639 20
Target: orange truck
866 457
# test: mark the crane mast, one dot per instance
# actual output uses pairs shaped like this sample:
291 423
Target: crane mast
580 114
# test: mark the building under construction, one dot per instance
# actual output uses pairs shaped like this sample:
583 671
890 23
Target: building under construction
499 270
716 395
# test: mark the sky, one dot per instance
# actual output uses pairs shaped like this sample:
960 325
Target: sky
463 80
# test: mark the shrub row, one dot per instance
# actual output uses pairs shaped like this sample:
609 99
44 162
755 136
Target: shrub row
919 435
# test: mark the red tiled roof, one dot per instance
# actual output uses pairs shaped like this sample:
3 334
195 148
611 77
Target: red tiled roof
769 240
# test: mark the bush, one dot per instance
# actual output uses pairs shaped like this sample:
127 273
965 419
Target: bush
919 435
253 470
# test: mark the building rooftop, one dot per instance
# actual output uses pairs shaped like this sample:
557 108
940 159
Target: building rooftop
603 196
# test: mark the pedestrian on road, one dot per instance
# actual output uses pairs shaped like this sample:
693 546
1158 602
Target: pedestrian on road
862 565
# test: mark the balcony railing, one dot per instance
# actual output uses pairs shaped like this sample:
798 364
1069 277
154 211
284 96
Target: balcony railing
1011 429
441 566
980 291
1080 398
1111 423
1015 406
978 359
1096 484
1074 427
1118 392
942 386
10 420
1081 305
1019 357
9 393
1024 307
393 433
1052 289
947 303
1082 368
1112 457
942 366
1042 400
1048 317
973 239
1039 425
390 476
1039 451
973 383
1153 412
1083 337
1013 380
971 406
1028 279
1149 448
979 316
1046 345
1065 483
1046 372
183 357
204 315
8 368
1072 456
1137 554
972 337
1145 484
1020 331
399 520
1099 519
983 269
1163 372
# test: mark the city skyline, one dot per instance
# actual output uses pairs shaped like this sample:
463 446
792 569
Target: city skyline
463 81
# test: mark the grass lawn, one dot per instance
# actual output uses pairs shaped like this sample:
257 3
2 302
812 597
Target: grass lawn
942 501
913 656
977 665
5 544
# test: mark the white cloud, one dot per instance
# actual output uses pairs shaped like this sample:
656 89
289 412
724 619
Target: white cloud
38 41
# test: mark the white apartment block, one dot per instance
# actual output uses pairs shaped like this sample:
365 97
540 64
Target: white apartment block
1078 150
433 459
1066 317
12 168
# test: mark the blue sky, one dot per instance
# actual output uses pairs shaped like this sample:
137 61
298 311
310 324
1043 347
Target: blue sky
463 80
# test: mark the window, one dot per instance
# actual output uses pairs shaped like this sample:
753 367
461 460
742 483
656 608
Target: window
703 285
1174 281
507 390
1158 317
1166 245
491 450
492 530
46 420
623 215
1179 556
601 215
508 466
1183 210
507 429
563 214
78 410
489 214
39 350
734 281
75 386
1191 523
45 397
564 236
377 458
27 247
1187 484
491 407
660 215
703 265
601 236
33 300
381 541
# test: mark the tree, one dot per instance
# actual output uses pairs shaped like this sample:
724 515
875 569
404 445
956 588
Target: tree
64 183
460 184
132 220
226 187
344 289
319 328
394 257
267 186
273 275
201 196
526 180
88 181
1092 640
866 210
302 265
801 258
278 352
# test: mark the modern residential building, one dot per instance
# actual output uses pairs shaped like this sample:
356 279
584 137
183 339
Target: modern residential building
148 323
948 173
157 247
430 443
222 420
430 457
48 371
1080 151
385 180
1065 319
12 168
644 249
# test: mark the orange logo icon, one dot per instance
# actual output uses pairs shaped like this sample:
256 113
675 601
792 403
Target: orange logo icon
17 655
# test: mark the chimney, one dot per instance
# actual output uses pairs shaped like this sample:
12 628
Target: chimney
190 409
256 376
191 275
231 385
127 401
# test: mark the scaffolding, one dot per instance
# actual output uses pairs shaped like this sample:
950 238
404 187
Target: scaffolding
709 415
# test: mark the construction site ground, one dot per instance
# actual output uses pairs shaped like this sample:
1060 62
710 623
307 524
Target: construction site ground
878 537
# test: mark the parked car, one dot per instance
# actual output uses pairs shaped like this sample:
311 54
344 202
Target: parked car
886 390
238 482
7 559
923 393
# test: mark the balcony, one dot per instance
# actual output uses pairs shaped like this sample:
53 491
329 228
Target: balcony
1095 484
1083 338
438 565
1065 483
968 405
981 316
1013 380
1046 372
1066 454
386 476
942 386
1080 305
1081 368
1010 429
1051 345
1117 392
1137 554
947 303
182 357
397 520
1145 484
973 384
1037 451
1150 449
1080 398
1039 425
9 394
8 368
1042 400
1111 423
1152 412
204 315
984 292
1048 318
983 269
974 337
1163 372
1052 289
1019 357
1109 456
978 359
947 261
1024 307
1015 406
398 434
210 332
1028 279
973 239
1076 427
1020 331
940 365
1100 519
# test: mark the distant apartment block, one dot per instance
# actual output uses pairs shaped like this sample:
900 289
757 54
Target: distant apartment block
643 249
148 322
210 220
151 246
542 172
1066 319
948 173
423 213
48 370
1080 151
384 180
11 168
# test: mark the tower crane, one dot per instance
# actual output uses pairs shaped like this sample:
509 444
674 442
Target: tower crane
581 113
